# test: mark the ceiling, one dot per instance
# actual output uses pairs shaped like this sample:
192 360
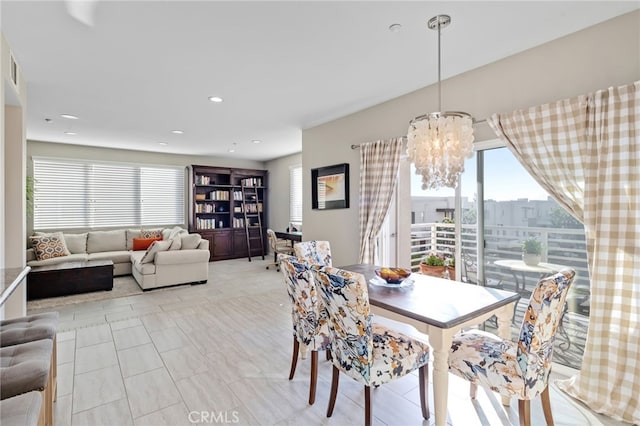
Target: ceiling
145 68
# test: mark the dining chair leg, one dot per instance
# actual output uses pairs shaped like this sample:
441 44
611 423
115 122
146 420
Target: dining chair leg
334 390
367 406
473 390
294 358
546 406
423 377
524 412
314 377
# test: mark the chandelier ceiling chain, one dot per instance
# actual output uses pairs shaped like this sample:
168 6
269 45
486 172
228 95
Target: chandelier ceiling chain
438 143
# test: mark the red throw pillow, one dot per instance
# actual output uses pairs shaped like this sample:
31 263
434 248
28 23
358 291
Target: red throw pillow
143 243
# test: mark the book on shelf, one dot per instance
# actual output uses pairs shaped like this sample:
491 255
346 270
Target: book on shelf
253 181
203 180
254 208
205 208
219 195
237 195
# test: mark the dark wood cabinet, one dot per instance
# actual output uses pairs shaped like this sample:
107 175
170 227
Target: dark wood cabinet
216 209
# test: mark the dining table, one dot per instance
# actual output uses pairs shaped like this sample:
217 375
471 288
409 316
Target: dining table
439 308
294 237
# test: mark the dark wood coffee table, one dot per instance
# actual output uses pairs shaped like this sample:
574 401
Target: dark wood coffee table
69 278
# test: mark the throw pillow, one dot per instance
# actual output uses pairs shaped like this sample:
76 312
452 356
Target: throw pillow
176 243
151 233
155 247
190 241
170 233
143 243
48 246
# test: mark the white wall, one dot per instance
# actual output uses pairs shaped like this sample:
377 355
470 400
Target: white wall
13 101
279 190
598 57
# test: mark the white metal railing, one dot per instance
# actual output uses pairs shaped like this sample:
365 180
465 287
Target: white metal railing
561 246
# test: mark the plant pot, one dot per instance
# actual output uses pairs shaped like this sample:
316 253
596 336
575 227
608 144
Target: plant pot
531 259
436 271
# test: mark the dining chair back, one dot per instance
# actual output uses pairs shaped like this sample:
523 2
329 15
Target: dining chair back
277 246
517 369
308 317
314 252
369 353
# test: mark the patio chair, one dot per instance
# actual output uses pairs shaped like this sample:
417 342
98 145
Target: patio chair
314 252
278 246
517 369
309 318
369 353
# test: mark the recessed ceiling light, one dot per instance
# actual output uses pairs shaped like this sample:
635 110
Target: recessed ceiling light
177 132
232 150
256 141
48 120
69 116
394 28
70 133
163 143
216 99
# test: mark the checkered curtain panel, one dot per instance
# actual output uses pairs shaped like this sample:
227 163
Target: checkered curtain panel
378 176
586 153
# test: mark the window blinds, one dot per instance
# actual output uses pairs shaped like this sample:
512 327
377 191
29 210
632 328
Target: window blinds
85 194
295 194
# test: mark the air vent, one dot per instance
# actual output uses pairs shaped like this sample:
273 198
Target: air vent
14 70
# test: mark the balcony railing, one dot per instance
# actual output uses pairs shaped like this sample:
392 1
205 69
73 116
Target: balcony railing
562 246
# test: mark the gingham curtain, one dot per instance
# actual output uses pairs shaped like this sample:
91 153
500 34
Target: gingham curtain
586 152
378 175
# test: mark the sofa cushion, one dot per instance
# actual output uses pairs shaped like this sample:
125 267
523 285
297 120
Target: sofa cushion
154 248
143 243
151 233
190 241
143 268
79 257
49 246
176 243
118 256
76 243
131 234
99 241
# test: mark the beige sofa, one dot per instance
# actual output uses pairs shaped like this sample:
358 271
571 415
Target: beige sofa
166 268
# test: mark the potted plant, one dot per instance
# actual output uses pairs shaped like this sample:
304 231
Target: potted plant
435 264
531 251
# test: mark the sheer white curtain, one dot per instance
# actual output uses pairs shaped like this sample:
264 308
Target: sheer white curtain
586 152
378 176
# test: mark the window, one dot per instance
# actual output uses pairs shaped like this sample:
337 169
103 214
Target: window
84 194
295 194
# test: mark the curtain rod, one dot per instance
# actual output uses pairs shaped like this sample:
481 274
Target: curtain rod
484 120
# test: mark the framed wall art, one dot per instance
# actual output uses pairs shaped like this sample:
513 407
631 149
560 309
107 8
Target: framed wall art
330 187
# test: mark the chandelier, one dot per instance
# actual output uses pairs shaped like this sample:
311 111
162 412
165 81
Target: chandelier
439 142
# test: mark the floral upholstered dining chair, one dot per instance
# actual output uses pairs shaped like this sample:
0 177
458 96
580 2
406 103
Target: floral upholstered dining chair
369 353
314 252
517 369
309 318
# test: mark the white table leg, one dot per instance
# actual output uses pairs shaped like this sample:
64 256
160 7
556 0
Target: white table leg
440 341
504 316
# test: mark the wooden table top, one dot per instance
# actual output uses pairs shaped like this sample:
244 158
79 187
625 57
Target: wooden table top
435 301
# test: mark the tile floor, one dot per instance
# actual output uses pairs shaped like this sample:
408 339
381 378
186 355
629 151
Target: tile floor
219 353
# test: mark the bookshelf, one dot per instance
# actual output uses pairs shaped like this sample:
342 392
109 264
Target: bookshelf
216 209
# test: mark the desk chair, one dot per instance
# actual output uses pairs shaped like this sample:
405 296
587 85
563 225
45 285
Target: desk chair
309 318
521 368
369 353
278 246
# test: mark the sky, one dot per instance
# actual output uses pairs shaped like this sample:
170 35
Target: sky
505 179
